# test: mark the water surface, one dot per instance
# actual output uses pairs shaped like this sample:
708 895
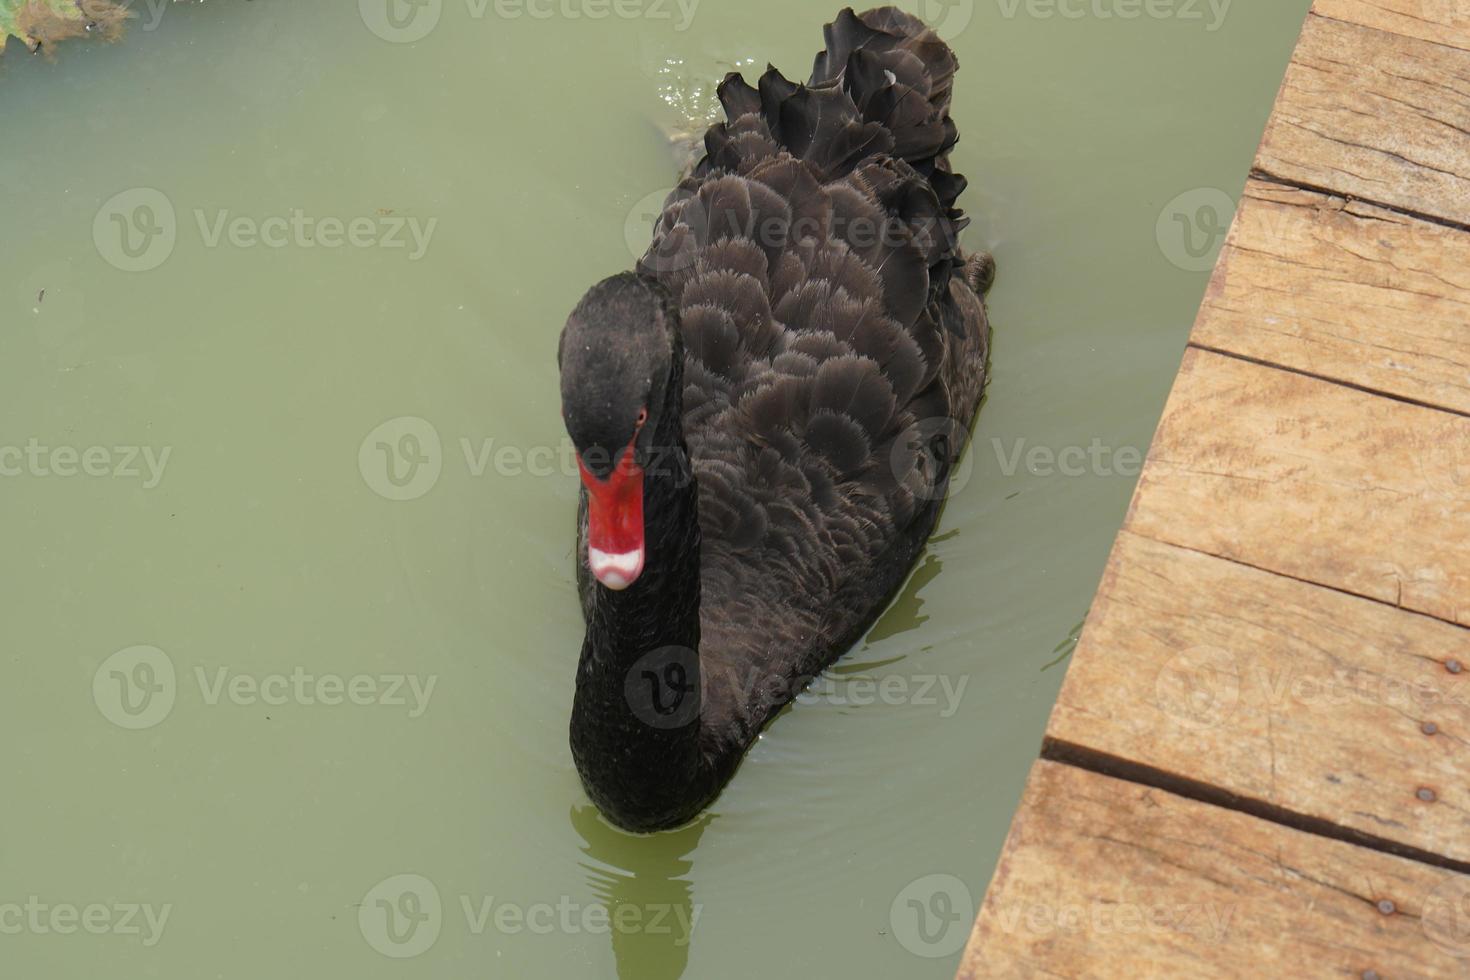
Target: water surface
279 428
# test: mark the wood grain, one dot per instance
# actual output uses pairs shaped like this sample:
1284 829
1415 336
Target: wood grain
1315 481
1377 116
1440 21
1282 626
1347 291
1104 878
1275 690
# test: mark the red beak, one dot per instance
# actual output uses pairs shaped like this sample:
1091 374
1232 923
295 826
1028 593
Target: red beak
615 521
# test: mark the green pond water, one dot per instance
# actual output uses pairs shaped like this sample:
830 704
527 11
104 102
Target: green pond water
289 620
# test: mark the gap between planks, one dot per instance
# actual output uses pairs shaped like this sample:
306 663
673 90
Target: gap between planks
1266 177
1138 773
1352 386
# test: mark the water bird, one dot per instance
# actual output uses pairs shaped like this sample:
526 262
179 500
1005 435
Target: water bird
766 411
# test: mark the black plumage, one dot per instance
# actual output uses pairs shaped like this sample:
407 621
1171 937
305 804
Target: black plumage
810 345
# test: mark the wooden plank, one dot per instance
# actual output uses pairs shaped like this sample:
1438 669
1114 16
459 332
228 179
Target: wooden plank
1439 21
1377 116
1313 480
1282 624
1103 878
1346 291
1278 691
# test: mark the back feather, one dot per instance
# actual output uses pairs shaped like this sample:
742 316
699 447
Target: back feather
813 254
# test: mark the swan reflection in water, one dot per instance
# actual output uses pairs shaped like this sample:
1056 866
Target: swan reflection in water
644 882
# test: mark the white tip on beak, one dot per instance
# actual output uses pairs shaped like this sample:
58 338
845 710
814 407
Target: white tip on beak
616 571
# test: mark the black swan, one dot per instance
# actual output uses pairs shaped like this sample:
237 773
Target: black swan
766 412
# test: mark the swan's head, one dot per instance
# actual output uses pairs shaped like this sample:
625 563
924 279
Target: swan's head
619 356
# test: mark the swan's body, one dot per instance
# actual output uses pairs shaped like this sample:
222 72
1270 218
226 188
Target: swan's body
766 413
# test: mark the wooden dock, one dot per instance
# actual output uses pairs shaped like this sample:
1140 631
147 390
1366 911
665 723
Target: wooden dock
1259 764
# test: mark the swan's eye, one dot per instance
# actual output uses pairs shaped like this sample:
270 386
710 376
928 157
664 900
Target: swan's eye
642 416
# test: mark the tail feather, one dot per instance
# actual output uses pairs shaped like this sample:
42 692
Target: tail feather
883 85
872 132
898 72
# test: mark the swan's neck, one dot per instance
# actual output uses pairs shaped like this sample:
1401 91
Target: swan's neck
636 717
